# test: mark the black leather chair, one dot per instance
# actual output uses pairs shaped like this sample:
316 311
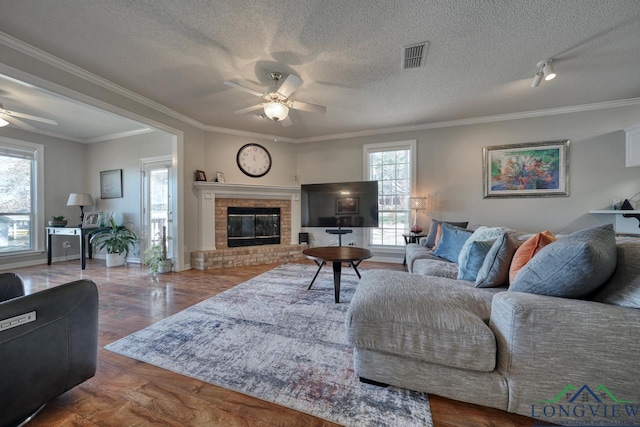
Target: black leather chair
48 344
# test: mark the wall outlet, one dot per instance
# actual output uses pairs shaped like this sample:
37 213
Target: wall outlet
66 245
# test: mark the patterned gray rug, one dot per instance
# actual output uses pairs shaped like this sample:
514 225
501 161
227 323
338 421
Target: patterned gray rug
272 338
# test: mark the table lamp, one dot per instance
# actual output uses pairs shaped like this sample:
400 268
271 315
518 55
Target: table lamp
82 200
418 203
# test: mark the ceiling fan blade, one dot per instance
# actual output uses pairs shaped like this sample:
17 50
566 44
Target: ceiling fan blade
286 122
16 122
291 83
244 88
30 117
305 106
248 109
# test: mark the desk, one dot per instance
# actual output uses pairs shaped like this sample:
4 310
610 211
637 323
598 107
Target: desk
79 232
411 238
337 254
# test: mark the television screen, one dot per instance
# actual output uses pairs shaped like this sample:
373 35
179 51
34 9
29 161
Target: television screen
340 204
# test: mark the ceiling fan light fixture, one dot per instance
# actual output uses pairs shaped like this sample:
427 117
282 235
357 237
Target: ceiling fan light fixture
276 110
3 122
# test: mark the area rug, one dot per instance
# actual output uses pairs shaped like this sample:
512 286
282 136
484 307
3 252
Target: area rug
273 339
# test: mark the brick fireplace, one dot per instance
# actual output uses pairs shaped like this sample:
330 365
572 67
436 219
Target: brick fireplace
214 199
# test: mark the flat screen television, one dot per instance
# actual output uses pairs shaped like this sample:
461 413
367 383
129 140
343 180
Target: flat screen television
340 204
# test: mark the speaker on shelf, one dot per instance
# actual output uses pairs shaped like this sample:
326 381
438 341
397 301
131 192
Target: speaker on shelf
303 238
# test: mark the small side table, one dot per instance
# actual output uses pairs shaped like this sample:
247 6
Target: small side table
410 238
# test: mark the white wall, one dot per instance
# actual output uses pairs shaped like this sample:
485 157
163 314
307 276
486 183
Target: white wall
450 167
220 152
125 154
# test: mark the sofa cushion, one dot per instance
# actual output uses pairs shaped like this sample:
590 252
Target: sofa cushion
430 240
623 288
435 267
527 250
453 238
495 269
415 252
430 319
471 263
571 267
464 263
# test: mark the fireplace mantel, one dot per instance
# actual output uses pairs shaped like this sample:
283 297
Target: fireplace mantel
207 193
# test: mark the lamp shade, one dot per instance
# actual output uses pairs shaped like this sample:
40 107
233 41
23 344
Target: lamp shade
418 203
276 110
3 122
79 199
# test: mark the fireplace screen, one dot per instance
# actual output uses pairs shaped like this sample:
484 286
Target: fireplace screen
253 226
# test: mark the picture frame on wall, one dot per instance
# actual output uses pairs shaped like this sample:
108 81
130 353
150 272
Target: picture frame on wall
111 184
535 169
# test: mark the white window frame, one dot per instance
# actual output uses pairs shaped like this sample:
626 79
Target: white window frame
37 195
410 145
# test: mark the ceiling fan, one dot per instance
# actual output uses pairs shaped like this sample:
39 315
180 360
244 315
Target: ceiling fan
11 117
277 103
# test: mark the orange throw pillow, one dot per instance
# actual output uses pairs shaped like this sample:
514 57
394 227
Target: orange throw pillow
527 250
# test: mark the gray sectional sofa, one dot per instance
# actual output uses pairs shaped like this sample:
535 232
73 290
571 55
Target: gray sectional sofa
571 359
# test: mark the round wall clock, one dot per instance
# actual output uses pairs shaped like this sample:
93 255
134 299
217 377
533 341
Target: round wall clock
254 160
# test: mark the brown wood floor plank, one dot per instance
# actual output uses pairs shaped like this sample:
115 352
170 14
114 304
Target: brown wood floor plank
126 392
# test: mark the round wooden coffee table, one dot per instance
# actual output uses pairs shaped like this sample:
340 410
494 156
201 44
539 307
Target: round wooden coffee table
337 255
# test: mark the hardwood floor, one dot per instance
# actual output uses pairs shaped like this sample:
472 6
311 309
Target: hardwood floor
126 392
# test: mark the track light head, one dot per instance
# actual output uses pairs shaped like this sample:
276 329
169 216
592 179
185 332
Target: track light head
537 79
543 69
548 71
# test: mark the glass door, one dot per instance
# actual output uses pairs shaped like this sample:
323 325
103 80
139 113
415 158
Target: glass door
156 202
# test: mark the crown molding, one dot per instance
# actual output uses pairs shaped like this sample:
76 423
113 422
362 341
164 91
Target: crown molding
117 135
479 120
47 58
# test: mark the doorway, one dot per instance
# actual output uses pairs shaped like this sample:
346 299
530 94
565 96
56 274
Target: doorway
156 201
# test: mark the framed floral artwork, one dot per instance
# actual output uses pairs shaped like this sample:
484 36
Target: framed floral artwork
535 169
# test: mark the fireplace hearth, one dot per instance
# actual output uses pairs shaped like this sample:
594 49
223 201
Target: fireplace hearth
252 226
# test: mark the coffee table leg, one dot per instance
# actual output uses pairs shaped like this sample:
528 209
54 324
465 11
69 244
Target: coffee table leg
337 270
355 265
320 265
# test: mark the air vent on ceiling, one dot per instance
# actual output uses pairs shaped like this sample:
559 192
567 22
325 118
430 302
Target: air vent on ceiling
413 55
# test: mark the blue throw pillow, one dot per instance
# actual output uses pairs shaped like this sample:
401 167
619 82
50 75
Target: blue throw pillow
474 259
430 240
495 269
481 233
571 267
451 242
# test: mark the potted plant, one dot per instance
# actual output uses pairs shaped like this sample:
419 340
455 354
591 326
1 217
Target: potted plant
156 256
58 221
116 240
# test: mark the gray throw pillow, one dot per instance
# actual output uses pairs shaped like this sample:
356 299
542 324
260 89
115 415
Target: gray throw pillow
495 269
430 240
571 267
623 288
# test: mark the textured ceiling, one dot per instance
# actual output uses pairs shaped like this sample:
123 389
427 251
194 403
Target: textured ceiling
481 57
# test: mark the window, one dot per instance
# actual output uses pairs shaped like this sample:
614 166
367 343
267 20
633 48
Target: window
393 166
21 212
